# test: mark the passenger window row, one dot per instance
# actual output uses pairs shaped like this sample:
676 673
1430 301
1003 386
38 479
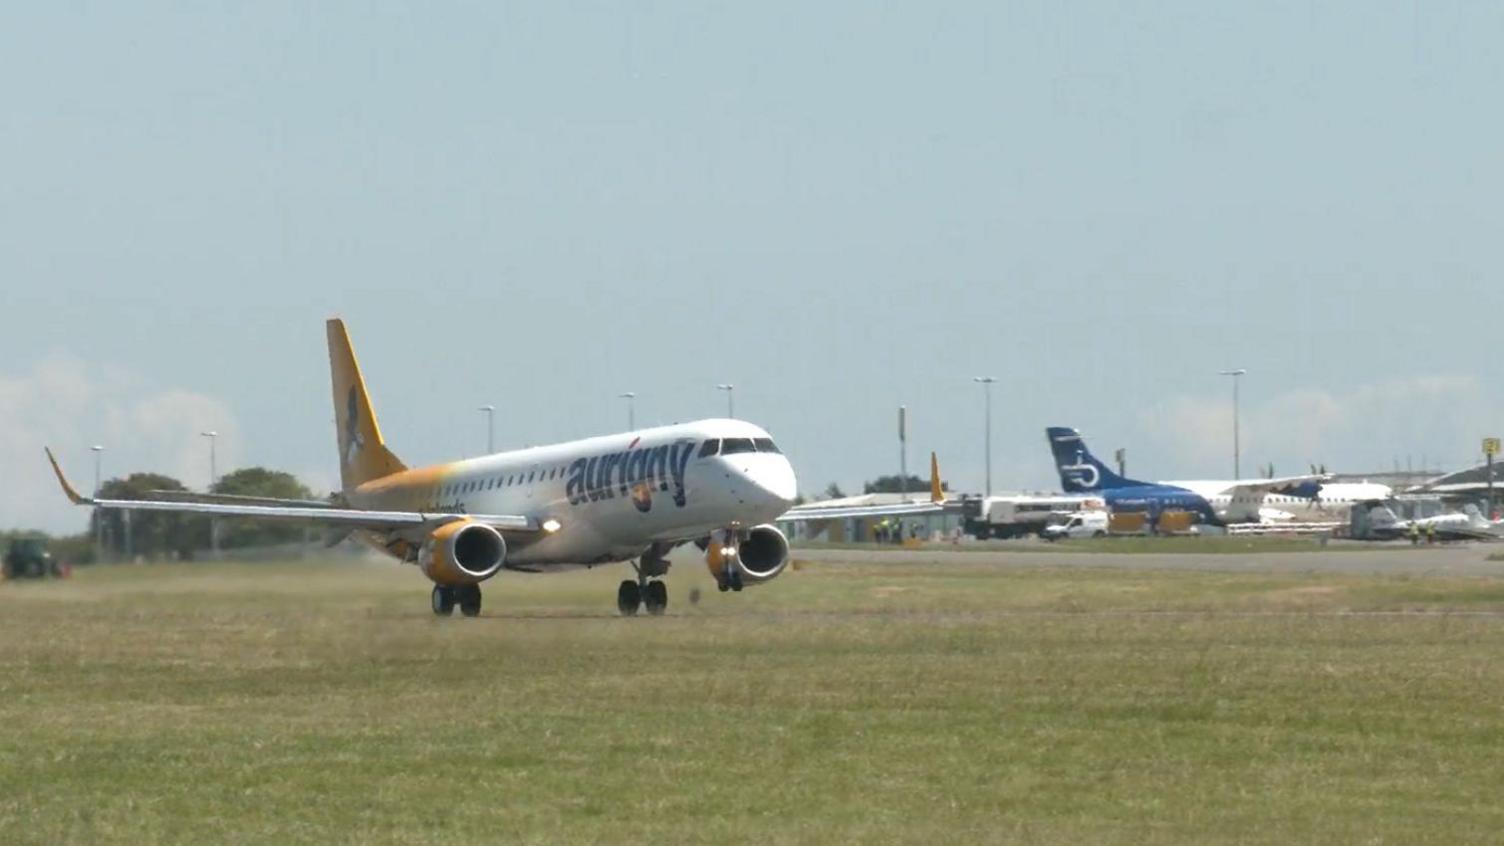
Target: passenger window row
457 488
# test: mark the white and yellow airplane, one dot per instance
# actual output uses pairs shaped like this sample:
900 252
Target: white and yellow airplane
629 497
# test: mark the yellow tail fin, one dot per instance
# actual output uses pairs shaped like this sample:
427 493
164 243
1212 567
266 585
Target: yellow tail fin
362 454
937 492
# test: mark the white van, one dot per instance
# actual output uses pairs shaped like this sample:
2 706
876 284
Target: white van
1083 524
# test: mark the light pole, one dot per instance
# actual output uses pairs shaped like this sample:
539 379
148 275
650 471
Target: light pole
631 398
213 475
97 449
986 383
730 404
98 517
490 411
903 451
1236 375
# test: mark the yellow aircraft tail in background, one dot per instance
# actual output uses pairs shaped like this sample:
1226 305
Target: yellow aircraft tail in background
363 456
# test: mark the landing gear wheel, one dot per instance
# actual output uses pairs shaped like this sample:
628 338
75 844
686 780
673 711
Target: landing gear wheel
736 580
655 597
628 597
443 600
469 599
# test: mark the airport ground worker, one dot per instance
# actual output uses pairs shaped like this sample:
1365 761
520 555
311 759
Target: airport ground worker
1430 534
1414 535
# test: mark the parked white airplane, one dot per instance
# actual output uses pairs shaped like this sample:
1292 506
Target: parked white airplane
636 495
1469 524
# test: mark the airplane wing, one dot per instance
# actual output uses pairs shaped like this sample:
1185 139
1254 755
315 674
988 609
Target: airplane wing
1288 485
821 511
817 511
1458 487
1462 533
354 518
236 499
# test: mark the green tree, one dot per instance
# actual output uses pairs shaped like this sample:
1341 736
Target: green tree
260 482
892 484
152 534
833 491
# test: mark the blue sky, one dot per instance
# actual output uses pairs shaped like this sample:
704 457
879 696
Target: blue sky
837 207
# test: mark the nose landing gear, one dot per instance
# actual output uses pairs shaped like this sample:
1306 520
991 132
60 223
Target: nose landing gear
729 578
722 550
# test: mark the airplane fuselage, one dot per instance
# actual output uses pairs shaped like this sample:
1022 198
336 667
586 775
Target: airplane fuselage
1221 502
612 496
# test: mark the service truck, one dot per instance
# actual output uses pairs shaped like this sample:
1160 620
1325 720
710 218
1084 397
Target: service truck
1017 515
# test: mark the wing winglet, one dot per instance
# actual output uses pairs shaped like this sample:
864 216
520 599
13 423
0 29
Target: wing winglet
63 480
936 494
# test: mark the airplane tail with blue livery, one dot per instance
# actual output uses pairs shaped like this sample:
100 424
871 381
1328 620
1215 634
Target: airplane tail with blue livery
1080 471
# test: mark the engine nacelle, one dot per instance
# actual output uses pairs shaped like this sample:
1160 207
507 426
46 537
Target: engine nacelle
758 558
462 553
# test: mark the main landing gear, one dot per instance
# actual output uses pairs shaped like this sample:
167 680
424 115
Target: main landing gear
646 591
467 597
652 595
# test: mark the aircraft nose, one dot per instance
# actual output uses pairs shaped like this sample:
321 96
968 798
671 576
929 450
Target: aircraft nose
775 480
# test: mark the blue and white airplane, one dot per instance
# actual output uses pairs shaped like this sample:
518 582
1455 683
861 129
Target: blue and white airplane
1287 499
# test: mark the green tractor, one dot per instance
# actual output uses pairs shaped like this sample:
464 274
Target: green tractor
28 558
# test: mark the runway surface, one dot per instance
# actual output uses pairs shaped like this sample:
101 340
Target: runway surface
1445 559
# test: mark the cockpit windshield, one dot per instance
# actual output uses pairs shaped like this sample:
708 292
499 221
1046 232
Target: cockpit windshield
732 446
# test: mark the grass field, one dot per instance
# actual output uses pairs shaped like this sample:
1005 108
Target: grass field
321 702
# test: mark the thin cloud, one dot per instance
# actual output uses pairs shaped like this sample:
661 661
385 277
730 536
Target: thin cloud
70 405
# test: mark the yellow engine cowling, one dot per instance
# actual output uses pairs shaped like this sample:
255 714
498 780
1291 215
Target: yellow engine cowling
759 557
462 553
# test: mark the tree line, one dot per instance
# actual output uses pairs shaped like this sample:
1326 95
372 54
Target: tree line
164 534
161 535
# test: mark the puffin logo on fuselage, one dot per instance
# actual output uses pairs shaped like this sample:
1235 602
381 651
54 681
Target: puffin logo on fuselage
632 472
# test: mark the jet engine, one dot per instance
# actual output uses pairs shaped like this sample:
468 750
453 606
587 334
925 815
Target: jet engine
756 558
462 553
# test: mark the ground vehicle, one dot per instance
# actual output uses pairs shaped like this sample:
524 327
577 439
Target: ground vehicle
28 558
1084 524
1016 515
